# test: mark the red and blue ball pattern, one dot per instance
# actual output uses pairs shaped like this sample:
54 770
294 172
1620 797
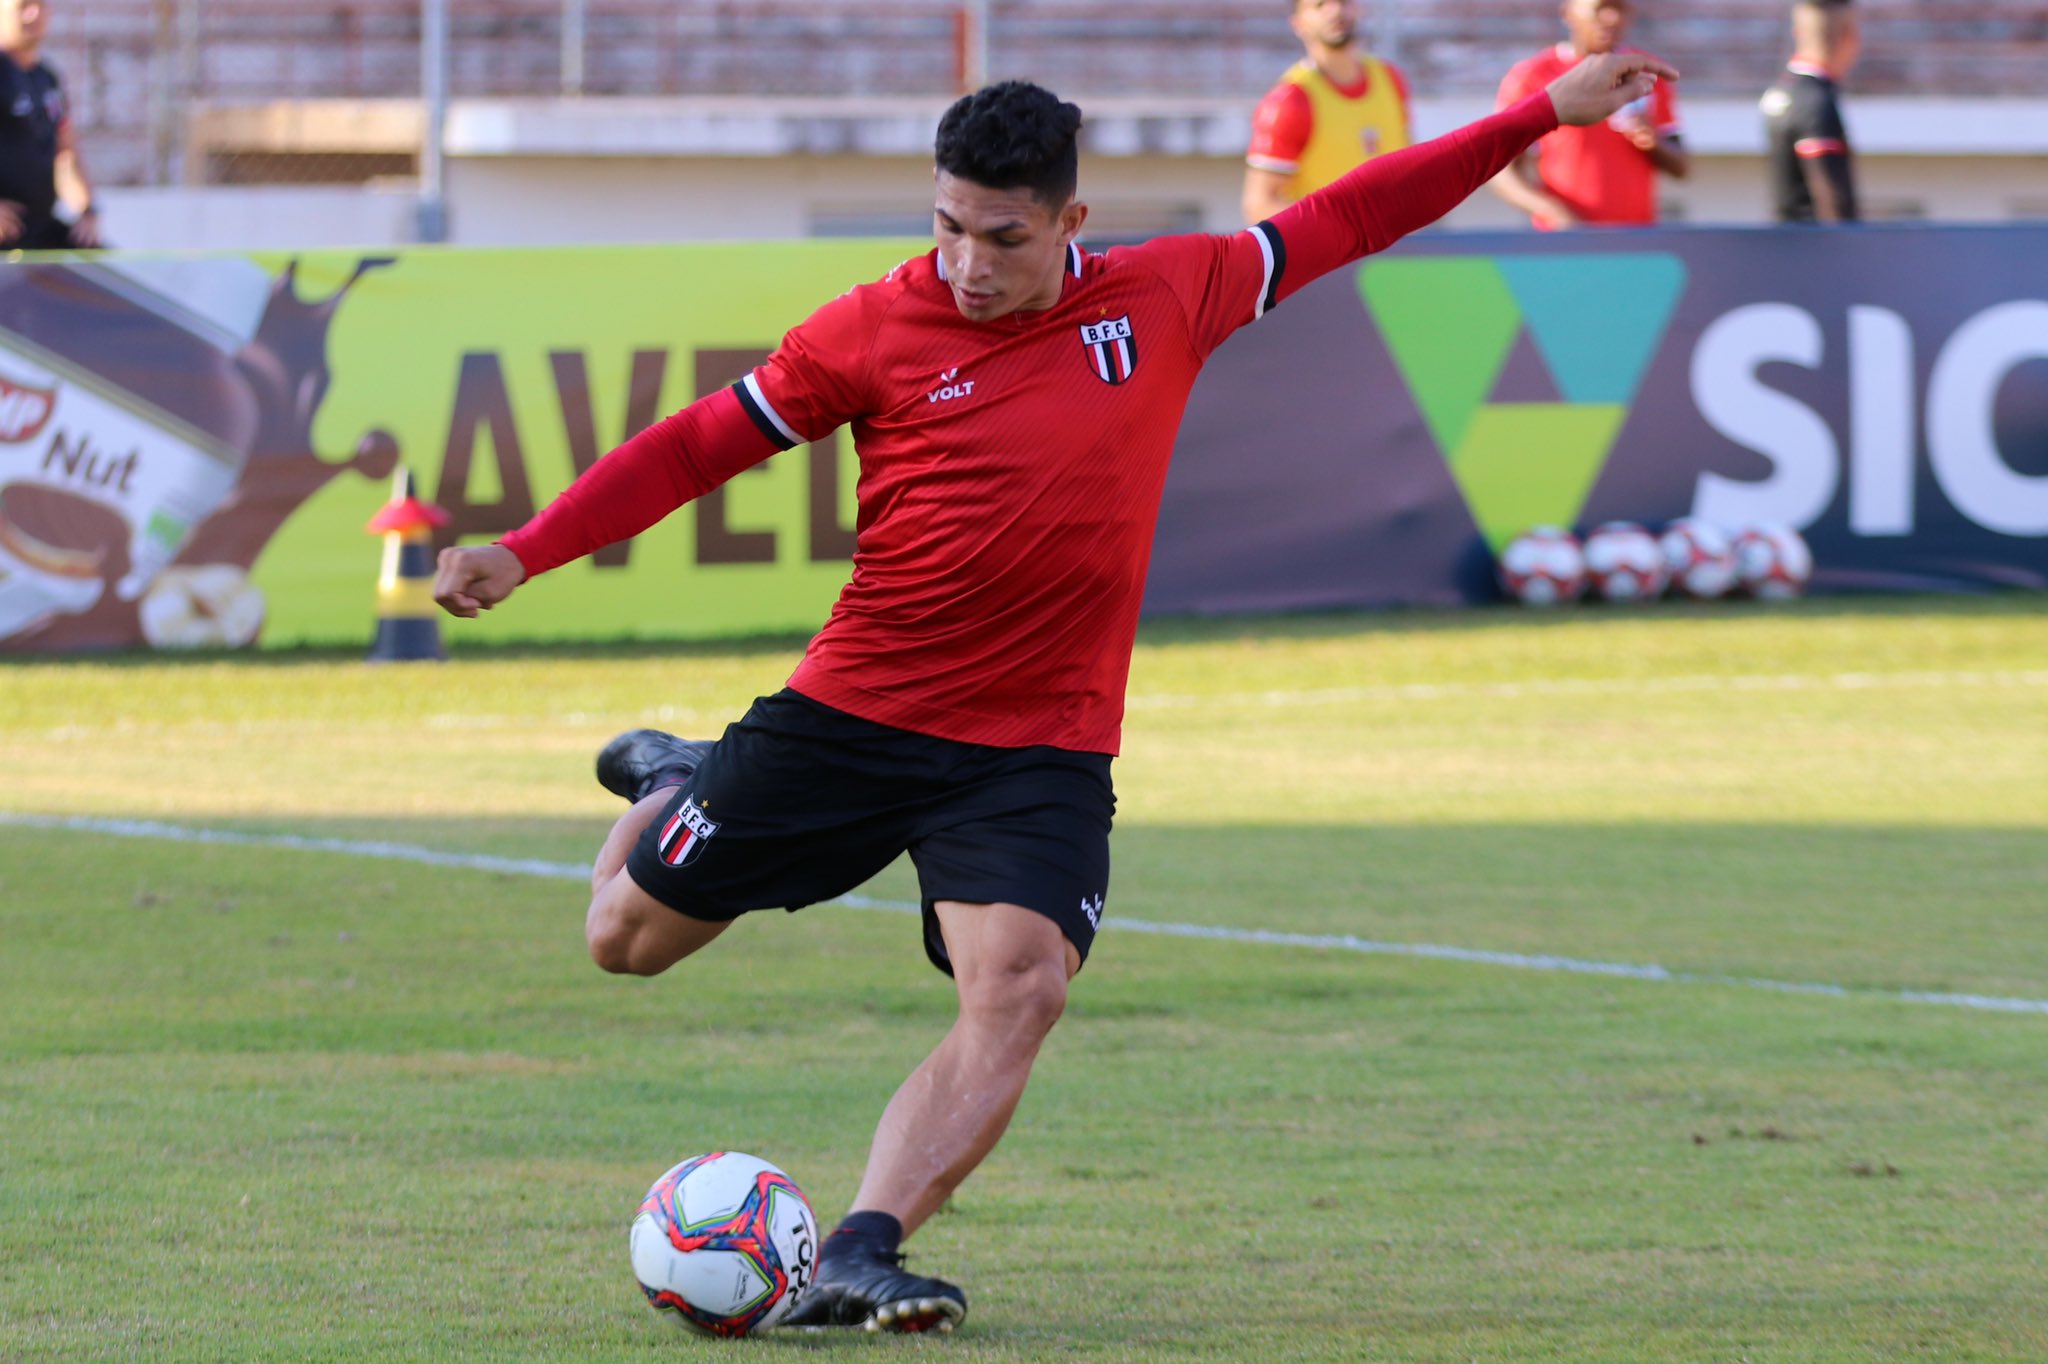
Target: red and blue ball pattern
745 1231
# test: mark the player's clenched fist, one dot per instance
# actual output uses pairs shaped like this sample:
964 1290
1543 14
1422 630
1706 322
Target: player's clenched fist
475 578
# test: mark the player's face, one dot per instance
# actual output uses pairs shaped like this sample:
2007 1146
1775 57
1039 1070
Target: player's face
1596 25
1004 250
22 23
1326 23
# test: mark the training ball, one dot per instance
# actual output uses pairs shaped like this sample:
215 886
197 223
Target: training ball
725 1244
1699 558
1543 567
1772 562
1624 563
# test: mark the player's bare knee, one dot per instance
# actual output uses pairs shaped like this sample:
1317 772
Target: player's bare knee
622 951
610 949
1027 995
616 940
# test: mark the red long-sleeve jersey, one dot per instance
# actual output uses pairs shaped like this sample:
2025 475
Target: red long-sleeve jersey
1011 471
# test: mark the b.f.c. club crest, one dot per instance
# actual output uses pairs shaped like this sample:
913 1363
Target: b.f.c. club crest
1111 348
684 835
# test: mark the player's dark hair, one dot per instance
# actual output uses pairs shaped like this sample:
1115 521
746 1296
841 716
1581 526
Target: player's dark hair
1013 135
1822 5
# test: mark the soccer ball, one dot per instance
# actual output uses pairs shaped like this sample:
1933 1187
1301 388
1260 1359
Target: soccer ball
1543 567
1699 558
1624 563
725 1244
1772 562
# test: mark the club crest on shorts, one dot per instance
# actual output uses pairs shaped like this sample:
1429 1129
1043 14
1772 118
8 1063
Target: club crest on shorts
685 835
1111 348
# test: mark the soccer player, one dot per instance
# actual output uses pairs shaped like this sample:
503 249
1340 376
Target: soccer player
1605 172
1333 109
1812 179
1014 401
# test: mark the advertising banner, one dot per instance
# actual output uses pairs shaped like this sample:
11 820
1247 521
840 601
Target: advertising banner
190 448
1882 391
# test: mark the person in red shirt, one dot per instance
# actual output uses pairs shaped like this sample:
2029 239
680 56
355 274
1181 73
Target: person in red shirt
1014 401
1605 172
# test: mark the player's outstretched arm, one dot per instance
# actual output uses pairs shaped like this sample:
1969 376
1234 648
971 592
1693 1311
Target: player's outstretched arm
636 485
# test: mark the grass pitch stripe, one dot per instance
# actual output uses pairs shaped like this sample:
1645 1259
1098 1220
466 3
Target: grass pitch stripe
1596 686
1340 942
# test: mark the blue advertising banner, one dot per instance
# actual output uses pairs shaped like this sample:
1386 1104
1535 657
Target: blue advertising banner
1882 391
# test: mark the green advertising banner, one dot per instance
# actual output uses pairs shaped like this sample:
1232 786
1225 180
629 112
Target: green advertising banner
190 448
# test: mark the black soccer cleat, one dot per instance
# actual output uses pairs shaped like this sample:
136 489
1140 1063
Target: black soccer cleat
642 761
860 1288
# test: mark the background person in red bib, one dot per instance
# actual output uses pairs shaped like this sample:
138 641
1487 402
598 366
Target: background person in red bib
1014 401
1606 172
1336 107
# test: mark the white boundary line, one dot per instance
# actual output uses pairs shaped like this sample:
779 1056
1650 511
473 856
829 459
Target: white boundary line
1343 942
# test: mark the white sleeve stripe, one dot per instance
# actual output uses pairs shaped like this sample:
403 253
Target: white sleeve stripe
1272 163
753 384
1266 278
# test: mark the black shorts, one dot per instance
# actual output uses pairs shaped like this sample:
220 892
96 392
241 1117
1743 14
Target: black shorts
799 803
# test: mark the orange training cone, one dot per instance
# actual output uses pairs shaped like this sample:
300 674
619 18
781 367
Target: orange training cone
407 626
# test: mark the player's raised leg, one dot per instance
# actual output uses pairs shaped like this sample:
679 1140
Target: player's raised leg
1011 966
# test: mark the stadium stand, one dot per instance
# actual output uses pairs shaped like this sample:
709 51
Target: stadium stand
211 91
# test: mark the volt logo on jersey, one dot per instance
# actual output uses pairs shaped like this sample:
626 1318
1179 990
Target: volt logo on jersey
948 388
685 834
1111 348
1523 386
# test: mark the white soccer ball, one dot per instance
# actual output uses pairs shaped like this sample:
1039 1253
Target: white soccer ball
1699 558
1624 563
725 1244
1772 562
1543 567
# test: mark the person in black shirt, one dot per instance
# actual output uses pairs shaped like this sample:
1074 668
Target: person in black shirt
1811 175
45 198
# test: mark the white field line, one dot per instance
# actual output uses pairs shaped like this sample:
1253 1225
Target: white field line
1594 686
1342 942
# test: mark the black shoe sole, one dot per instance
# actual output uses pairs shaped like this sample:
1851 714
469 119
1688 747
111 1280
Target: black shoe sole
905 1316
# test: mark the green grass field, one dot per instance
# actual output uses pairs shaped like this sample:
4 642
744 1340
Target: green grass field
268 1102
